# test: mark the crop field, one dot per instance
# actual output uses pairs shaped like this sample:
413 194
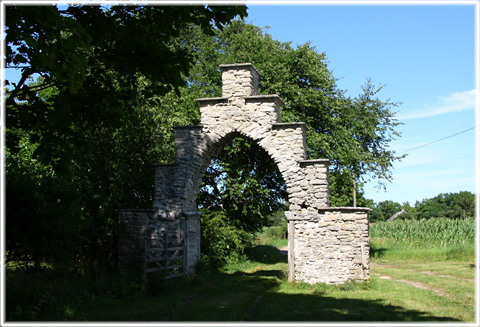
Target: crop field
432 232
434 239
420 271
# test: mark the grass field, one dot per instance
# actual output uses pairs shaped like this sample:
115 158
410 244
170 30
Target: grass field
433 284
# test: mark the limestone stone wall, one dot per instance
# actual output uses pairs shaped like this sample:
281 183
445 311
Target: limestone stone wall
239 80
328 245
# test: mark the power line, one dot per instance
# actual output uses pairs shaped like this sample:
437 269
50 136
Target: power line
447 137
436 162
418 212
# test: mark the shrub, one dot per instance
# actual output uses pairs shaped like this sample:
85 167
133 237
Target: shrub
222 242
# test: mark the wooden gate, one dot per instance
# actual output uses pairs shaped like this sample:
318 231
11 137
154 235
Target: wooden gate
172 260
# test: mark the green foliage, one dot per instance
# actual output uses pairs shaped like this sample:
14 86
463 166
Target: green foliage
450 205
277 226
354 133
82 139
41 221
222 242
278 231
341 191
384 210
244 183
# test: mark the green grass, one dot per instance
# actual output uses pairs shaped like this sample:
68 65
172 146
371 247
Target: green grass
454 294
257 289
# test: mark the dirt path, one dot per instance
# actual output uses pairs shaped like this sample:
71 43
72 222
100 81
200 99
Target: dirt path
427 272
251 311
284 250
420 285
431 273
415 284
181 304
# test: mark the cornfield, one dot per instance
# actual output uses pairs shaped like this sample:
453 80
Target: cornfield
426 233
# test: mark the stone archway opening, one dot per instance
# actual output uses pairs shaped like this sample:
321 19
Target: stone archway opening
325 244
241 188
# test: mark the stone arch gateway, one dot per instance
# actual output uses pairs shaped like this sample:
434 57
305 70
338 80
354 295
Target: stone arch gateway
326 244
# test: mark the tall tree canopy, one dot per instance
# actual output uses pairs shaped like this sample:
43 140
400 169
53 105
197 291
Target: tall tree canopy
114 81
450 205
354 133
79 144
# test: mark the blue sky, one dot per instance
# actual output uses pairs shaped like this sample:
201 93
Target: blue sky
425 57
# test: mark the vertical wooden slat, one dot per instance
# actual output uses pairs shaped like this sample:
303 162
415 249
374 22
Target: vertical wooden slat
144 267
291 253
364 256
166 253
185 246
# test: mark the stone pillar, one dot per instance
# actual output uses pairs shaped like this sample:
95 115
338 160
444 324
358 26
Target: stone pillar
190 148
331 245
239 80
315 183
192 240
133 231
166 195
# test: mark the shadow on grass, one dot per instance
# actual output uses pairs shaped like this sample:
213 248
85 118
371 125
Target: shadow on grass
262 295
266 254
257 297
377 252
318 307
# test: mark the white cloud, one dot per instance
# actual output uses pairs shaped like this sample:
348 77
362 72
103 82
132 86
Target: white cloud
455 102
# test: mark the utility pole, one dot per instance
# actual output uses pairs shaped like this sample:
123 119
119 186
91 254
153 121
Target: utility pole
354 191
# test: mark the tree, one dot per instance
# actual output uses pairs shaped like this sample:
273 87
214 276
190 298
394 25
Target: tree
354 133
450 205
410 212
384 210
95 124
82 125
243 182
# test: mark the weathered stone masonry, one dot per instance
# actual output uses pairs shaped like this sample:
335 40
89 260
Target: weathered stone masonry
326 244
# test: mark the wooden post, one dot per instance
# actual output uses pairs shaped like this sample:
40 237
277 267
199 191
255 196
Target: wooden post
364 256
291 252
354 191
144 267
166 252
184 227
